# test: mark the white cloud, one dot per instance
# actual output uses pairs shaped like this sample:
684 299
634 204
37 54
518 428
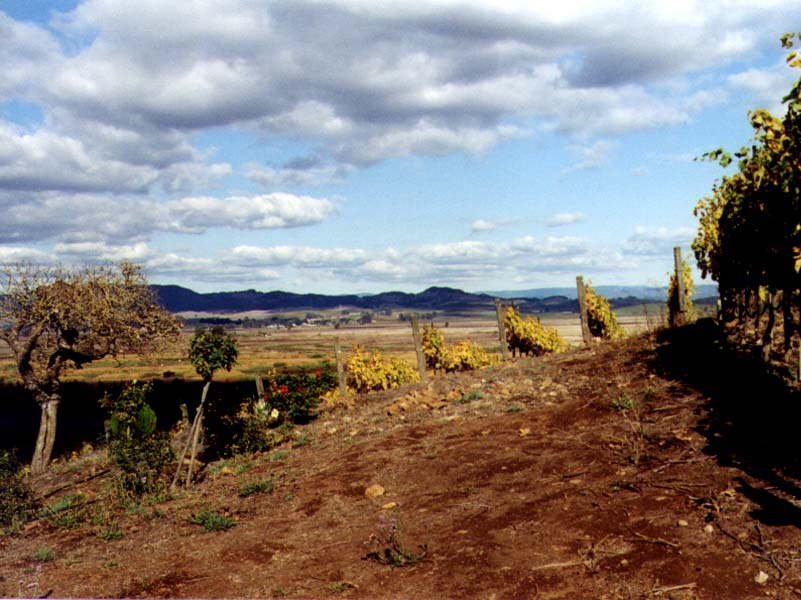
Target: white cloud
299 256
270 211
480 225
659 241
565 218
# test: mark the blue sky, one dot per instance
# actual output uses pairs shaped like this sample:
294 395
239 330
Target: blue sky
339 146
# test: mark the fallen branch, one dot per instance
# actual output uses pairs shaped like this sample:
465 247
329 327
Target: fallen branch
658 541
658 591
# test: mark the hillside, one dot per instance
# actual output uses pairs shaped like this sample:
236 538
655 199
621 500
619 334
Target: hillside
636 469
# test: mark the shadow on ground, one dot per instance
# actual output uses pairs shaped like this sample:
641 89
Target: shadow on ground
752 417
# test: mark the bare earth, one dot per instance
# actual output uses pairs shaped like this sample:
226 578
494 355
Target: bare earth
648 468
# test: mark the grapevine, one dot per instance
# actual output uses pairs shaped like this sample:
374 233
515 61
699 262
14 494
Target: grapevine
600 318
528 336
749 236
370 371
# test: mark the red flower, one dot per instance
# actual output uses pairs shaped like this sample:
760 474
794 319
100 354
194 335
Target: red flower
283 389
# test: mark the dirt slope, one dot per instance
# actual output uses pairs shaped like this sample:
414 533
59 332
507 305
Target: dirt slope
641 469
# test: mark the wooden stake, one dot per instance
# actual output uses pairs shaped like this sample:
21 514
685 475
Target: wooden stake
418 348
678 265
343 389
501 329
196 433
582 300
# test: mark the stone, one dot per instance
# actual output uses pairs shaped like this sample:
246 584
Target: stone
374 491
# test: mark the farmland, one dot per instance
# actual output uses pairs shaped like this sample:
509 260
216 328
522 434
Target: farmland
313 346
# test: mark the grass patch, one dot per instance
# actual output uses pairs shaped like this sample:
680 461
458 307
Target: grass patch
468 397
43 554
211 521
264 486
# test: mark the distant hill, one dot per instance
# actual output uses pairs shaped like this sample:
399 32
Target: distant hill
640 292
178 299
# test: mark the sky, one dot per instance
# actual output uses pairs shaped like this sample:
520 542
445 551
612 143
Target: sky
360 146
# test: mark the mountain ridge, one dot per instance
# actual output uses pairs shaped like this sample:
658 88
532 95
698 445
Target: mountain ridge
179 299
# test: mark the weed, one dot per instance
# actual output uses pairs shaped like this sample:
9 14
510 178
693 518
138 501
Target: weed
341 586
212 521
110 564
43 554
64 513
623 402
635 442
280 592
278 456
388 548
256 487
514 408
300 441
469 397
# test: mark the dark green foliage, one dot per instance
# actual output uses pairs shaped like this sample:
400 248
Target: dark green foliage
256 425
212 349
136 446
295 396
17 501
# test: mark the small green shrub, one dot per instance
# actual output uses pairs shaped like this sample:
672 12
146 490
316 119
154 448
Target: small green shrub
17 501
264 486
468 397
43 554
136 446
212 521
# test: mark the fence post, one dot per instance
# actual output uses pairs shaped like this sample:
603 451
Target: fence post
259 387
582 300
343 390
678 265
418 348
501 329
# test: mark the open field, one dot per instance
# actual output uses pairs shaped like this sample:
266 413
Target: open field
313 346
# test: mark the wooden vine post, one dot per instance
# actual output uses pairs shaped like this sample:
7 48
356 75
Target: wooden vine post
681 291
582 300
418 348
501 329
343 389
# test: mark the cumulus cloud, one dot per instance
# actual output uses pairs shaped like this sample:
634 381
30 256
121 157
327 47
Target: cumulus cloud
124 150
270 211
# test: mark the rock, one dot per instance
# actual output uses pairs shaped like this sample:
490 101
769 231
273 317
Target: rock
374 491
708 528
761 578
524 431
682 523
390 505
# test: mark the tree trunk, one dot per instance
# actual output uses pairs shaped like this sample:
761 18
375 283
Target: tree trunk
47 434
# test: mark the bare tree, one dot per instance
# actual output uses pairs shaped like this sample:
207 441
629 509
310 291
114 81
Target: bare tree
55 319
